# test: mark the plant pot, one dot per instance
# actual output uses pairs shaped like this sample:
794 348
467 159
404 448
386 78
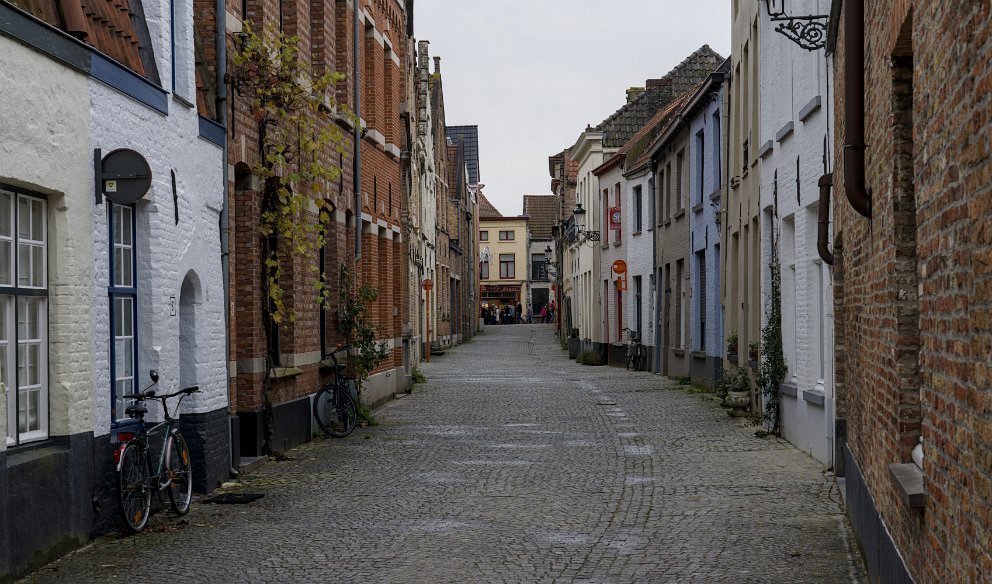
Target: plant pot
573 347
732 357
739 400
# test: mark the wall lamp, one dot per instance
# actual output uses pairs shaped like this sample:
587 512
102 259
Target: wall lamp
809 32
580 225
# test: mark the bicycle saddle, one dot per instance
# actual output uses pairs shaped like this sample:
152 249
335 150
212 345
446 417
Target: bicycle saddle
136 410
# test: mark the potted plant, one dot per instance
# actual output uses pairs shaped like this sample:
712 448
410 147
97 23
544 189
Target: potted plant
732 348
574 344
754 348
735 387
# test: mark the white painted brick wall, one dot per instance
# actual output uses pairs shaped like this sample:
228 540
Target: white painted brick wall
166 251
46 148
640 256
612 253
790 78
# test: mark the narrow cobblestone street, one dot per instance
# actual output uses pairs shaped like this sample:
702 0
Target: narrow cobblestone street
512 464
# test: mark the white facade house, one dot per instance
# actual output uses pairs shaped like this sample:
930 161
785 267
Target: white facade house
613 285
796 88
639 226
582 254
102 292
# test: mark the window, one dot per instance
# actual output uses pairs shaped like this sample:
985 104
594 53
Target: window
538 267
715 141
679 306
638 307
484 269
123 308
637 209
506 235
668 191
679 168
700 164
483 235
507 268
24 315
701 297
606 217
619 230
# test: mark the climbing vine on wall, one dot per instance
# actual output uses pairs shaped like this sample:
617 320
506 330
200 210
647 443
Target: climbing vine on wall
772 368
353 323
297 133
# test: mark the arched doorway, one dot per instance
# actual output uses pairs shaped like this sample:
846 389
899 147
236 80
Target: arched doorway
188 299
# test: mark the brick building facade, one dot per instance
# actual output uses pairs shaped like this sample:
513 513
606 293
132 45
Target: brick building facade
913 283
279 417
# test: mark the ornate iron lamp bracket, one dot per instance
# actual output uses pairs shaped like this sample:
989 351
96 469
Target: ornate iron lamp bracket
809 32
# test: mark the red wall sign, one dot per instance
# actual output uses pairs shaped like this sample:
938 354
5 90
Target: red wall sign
615 218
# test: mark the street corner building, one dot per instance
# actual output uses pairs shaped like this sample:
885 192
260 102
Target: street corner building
107 269
912 253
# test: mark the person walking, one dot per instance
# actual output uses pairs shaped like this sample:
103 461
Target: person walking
544 314
520 313
496 320
512 318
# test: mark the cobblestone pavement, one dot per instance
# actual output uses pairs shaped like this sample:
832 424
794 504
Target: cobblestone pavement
512 464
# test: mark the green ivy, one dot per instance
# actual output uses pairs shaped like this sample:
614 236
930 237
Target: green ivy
366 353
772 368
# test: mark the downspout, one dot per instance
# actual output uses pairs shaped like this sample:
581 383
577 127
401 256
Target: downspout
652 192
357 169
221 50
823 216
854 107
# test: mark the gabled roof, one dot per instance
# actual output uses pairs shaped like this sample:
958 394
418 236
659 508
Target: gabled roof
468 137
540 211
620 127
487 209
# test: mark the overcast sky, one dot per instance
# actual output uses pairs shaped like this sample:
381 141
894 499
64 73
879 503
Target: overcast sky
532 73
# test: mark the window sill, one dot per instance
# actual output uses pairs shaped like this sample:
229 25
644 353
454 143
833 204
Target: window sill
697 208
788 390
679 352
908 479
285 372
617 243
815 398
699 354
667 222
638 232
680 214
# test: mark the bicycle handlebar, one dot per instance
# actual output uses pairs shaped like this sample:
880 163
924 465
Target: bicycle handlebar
150 394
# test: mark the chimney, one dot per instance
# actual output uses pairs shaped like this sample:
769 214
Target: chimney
634 92
437 65
663 83
423 50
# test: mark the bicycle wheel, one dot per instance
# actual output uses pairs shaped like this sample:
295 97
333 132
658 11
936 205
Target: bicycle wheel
335 411
180 475
134 494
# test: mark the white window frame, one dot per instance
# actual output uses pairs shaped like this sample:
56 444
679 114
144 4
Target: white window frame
121 291
12 296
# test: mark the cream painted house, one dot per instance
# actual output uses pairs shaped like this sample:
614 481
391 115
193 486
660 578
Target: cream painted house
503 251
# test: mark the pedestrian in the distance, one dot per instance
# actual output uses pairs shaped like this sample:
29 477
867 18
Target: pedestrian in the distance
512 318
520 313
544 314
496 320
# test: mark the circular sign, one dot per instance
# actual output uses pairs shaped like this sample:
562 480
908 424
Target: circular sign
620 266
125 176
428 284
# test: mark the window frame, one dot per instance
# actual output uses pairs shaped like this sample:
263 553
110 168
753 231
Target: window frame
511 234
484 270
115 292
538 267
13 294
483 235
510 273
638 208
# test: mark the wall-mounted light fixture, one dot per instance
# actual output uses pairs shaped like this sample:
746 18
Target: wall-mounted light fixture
580 225
809 32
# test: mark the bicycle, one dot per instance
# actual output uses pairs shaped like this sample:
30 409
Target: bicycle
635 350
334 407
136 478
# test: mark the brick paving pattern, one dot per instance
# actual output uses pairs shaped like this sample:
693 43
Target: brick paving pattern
512 464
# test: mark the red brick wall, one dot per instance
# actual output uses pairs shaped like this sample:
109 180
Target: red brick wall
325 31
927 251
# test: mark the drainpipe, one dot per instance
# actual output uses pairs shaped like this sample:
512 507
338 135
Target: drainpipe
358 138
823 215
221 50
854 107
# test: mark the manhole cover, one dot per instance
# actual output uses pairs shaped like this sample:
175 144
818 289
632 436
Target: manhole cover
233 498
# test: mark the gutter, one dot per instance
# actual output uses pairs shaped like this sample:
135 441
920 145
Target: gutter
357 169
854 107
823 219
221 49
